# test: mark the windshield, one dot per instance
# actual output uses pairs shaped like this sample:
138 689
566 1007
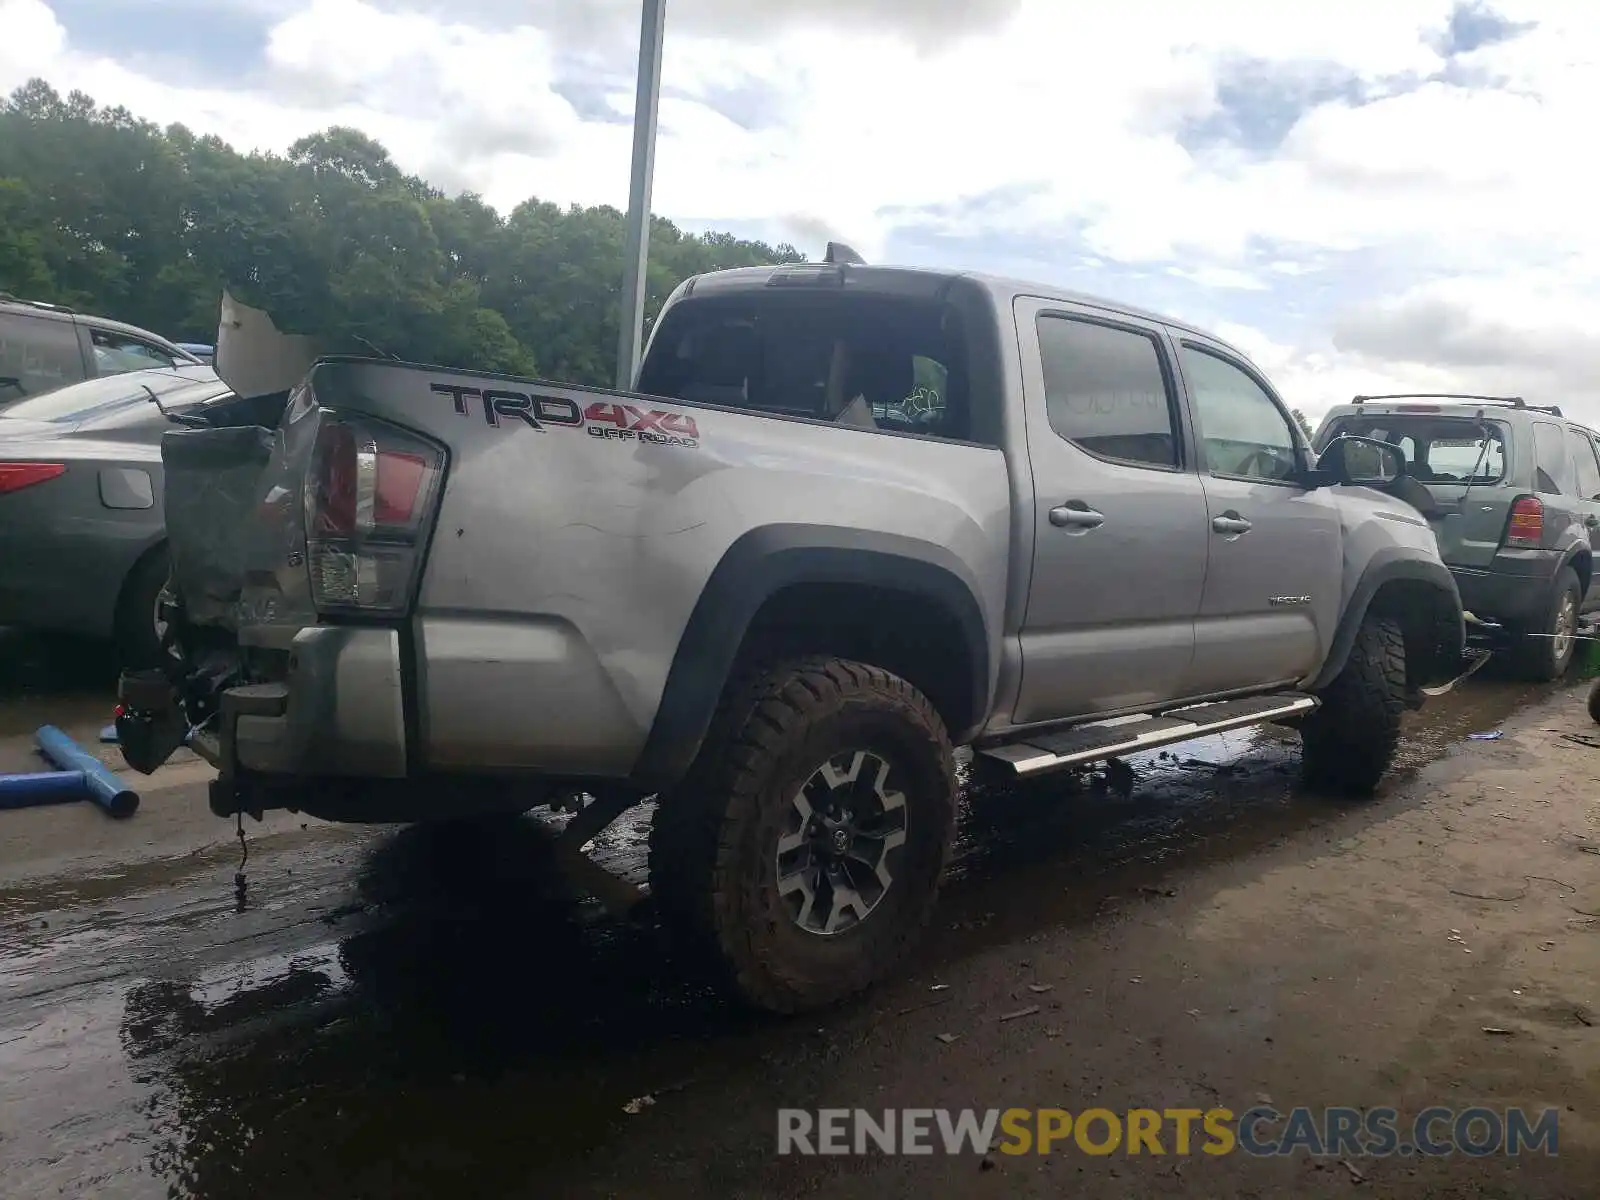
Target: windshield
1437 449
82 401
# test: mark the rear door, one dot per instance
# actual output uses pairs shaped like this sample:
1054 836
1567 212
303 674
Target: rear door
37 354
1119 521
1274 571
1554 482
1586 485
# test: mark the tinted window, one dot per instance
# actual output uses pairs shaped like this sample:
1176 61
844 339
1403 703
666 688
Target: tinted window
36 355
116 352
1554 473
1588 479
1105 391
868 361
1245 434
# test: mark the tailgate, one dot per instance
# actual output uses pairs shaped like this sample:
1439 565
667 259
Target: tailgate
213 488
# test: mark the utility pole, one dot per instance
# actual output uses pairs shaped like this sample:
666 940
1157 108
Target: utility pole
636 249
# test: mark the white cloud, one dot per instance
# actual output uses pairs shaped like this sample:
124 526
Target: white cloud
876 106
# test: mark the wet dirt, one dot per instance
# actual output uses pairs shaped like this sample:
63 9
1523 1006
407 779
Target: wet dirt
423 1012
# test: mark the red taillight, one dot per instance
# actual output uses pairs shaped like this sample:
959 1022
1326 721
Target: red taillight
1526 527
16 476
400 480
370 492
333 483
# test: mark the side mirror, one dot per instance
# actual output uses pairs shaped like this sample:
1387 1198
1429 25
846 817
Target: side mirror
1361 462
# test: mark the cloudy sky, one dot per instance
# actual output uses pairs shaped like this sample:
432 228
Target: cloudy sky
1370 195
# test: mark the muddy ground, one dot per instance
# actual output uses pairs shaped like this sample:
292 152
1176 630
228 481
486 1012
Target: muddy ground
421 1013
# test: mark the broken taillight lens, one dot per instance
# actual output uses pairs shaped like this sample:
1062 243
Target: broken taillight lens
1526 526
369 498
14 476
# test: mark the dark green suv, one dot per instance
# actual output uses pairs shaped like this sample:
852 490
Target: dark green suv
1512 491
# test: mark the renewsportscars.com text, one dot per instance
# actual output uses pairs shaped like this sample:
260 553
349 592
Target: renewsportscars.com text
1261 1131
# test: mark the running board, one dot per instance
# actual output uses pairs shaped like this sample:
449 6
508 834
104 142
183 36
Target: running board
1082 744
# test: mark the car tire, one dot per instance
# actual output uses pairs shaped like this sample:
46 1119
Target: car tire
136 636
1594 702
815 773
1349 741
1540 654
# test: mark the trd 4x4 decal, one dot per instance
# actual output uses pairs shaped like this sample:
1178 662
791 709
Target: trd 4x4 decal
613 421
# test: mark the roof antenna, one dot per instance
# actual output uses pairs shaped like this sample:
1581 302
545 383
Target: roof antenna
838 252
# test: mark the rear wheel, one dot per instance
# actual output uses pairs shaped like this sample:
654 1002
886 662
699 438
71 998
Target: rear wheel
802 854
139 625
1544 652
1350 740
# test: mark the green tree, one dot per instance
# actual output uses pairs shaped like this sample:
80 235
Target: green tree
116 216
1301 420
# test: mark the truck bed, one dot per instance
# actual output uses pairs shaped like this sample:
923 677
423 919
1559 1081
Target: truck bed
576 533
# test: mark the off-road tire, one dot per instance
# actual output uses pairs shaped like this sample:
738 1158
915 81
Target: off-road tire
713 845
1349 741
1532 653
135 639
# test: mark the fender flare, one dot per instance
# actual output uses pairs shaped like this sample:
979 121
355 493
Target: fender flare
1386 566
757 566
1578 550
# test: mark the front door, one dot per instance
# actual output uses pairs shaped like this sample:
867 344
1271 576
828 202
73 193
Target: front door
1274 572
1120 534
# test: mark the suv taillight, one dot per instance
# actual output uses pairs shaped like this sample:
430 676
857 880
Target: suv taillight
1526 527
15 476
370 495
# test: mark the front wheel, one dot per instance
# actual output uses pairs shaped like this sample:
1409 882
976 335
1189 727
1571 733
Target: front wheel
804 851
1350 740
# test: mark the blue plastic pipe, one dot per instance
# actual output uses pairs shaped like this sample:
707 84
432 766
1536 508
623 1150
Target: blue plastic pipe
103 787
41 787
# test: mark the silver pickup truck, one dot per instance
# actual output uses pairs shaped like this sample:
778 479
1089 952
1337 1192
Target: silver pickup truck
850 519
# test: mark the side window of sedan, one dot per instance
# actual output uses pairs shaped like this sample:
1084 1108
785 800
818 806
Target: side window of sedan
115 353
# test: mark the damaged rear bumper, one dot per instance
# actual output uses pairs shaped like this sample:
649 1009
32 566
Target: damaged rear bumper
338 715
329 740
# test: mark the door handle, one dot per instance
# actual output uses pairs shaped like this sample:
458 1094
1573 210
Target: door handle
1076 515
1231 523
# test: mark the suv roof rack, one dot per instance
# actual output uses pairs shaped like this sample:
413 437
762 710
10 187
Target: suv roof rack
8 298
1510 401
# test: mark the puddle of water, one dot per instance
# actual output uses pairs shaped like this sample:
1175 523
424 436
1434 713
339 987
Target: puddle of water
427 1018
